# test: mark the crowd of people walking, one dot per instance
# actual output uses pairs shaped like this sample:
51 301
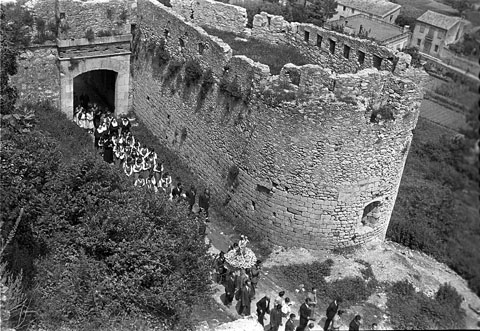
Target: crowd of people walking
241 285
115 142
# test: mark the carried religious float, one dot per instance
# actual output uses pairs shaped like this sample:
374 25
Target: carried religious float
240 257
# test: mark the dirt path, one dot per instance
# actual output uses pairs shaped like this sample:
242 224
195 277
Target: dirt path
390 262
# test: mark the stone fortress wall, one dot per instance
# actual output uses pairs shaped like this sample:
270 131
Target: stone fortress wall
216 14
47 71
77 16
318 170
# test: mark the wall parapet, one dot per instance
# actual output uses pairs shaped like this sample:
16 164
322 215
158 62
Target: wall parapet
213 14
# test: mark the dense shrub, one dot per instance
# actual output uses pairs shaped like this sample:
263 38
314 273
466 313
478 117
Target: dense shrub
89 34
101 248
193 72
409 309
353 290
428 209
309 275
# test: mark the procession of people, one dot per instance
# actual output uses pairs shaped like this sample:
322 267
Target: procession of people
115 142
237 270
240 278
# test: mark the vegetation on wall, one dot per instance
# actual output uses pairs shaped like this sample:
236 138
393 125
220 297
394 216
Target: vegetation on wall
160 57
173 69
193 72
15 24
382 113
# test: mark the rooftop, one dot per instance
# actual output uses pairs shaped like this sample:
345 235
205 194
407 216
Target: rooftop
375 28
375 7
438 20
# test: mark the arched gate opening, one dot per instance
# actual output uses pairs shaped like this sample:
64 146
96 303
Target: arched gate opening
95 86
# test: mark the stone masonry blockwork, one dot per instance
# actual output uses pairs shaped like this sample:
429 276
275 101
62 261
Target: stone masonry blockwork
309 167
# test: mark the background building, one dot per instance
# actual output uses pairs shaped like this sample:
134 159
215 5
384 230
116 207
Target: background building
433 31
380 9
385 34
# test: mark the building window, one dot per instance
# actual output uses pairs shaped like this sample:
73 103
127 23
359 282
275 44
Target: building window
436 48
391 17
319 40
377 62
422 28
306 36
346 51
419 41
353 11
360 57
344 8
332 46
440 34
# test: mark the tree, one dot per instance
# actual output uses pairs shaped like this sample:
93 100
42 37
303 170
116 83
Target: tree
460 5
15 23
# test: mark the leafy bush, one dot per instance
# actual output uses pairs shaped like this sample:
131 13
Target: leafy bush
193 72
89 34
384 113
352 290
409 309
105 33
310 275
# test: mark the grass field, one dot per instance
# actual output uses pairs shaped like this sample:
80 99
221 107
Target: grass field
275 56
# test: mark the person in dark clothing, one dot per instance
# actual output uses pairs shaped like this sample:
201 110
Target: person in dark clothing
263 307
229 288
254 274
290 324
331 311
177 191
355 323
191 195
108 150
204 202
276 318
221 270
245 299
125 125
305 314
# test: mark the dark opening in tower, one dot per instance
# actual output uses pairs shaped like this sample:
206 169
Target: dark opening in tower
371 213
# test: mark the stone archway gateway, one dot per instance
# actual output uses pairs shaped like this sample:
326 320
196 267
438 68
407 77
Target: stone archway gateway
82 57
99 86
